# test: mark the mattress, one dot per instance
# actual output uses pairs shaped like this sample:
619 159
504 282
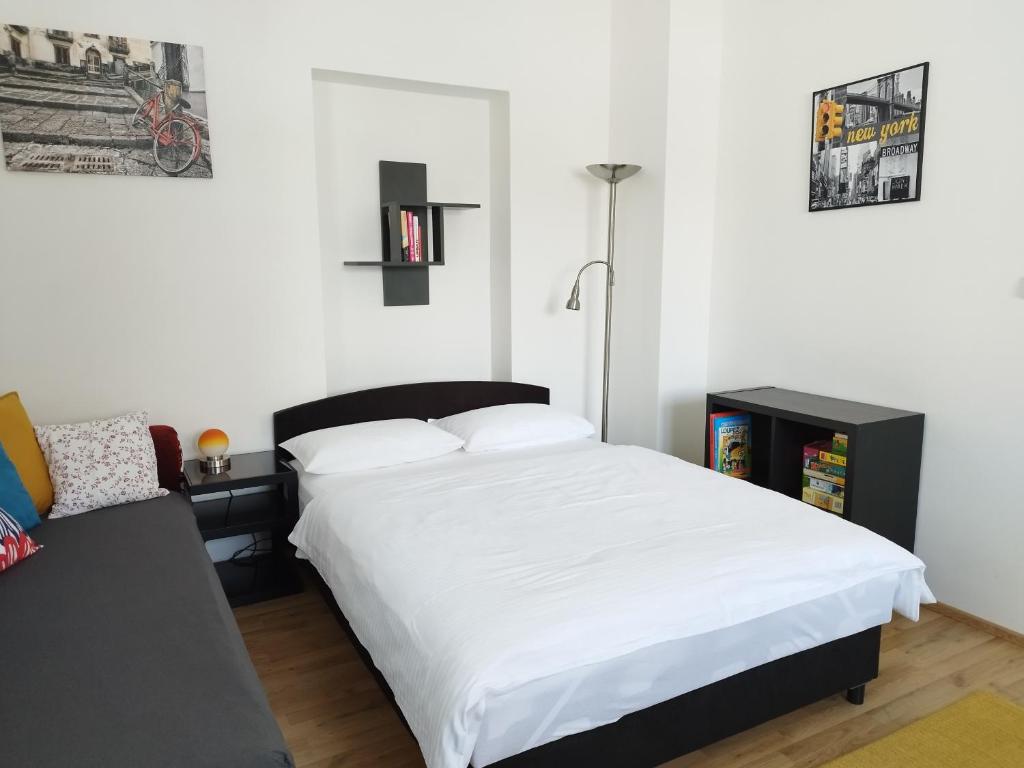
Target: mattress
514 598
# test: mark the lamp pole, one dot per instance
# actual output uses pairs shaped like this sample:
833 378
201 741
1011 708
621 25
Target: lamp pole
612 173
609 283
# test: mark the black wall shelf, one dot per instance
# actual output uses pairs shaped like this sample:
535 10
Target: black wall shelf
413 204
390 264
403 187
884 454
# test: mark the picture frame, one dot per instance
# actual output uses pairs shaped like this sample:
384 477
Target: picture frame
82 102
867 140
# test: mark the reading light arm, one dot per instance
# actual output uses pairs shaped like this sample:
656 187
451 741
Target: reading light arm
574 297
590 264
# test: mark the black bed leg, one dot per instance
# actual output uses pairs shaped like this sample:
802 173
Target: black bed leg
855 695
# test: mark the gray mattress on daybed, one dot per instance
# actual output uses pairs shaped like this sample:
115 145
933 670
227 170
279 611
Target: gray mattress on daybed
118 648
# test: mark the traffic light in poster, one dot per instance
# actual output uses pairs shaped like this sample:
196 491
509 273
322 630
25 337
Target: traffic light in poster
828 122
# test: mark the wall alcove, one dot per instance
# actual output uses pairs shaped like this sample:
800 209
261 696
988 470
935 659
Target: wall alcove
378 324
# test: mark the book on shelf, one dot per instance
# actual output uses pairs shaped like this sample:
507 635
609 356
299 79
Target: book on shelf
826 477
826 501
403 218
412 227
826 486
832 458
824 473
407 217
821 450
814 464
729 443
811 450
418 239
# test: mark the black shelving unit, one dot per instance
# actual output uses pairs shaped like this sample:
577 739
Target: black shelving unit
258 494
883 455
403 187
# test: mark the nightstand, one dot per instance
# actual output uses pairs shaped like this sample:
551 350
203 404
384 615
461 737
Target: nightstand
258 494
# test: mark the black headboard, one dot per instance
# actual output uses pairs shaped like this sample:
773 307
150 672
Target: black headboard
430 400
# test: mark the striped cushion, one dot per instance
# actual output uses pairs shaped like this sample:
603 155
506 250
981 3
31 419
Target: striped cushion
15 544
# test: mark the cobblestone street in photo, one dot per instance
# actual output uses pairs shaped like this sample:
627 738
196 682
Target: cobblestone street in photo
70 158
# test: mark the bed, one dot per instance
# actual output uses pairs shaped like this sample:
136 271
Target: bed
580 603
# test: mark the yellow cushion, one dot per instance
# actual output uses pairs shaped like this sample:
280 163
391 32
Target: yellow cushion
19 440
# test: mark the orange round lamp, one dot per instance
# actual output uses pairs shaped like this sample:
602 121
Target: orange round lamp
213 445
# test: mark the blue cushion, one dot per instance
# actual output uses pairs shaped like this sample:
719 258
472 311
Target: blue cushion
13 496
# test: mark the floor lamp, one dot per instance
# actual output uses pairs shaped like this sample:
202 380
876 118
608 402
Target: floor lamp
613 173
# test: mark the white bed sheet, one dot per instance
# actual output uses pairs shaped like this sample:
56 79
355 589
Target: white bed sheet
501 596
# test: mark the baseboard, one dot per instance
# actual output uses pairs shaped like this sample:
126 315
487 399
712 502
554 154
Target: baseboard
979 623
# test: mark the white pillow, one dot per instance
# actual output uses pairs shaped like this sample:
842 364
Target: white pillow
517 425
369 445
100 463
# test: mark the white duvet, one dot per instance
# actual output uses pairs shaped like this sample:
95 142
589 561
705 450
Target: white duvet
469 576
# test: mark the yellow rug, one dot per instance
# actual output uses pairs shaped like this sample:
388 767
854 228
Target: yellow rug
980 731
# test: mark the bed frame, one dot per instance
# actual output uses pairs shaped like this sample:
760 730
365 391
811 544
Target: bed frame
660 732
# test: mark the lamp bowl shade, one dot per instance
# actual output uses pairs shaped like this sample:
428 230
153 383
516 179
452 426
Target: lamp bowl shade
213 443
613 173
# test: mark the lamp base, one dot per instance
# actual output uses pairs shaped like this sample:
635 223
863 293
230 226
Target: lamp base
215 465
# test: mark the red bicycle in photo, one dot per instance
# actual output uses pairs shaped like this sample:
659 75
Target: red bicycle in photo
177 135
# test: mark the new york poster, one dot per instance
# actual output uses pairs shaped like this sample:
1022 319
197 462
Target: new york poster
867 140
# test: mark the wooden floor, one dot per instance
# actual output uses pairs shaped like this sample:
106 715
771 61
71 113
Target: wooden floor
332 713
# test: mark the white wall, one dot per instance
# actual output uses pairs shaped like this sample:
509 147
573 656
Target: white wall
222 322
914 305
665 85
639 73
366 343
691 181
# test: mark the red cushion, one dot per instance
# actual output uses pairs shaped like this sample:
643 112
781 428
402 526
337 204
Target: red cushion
168 456
15 544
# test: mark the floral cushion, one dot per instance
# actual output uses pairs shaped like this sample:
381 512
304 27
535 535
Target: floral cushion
15 544
100 463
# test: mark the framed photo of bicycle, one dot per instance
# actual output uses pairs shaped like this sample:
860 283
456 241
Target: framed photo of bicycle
867 140
82 102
